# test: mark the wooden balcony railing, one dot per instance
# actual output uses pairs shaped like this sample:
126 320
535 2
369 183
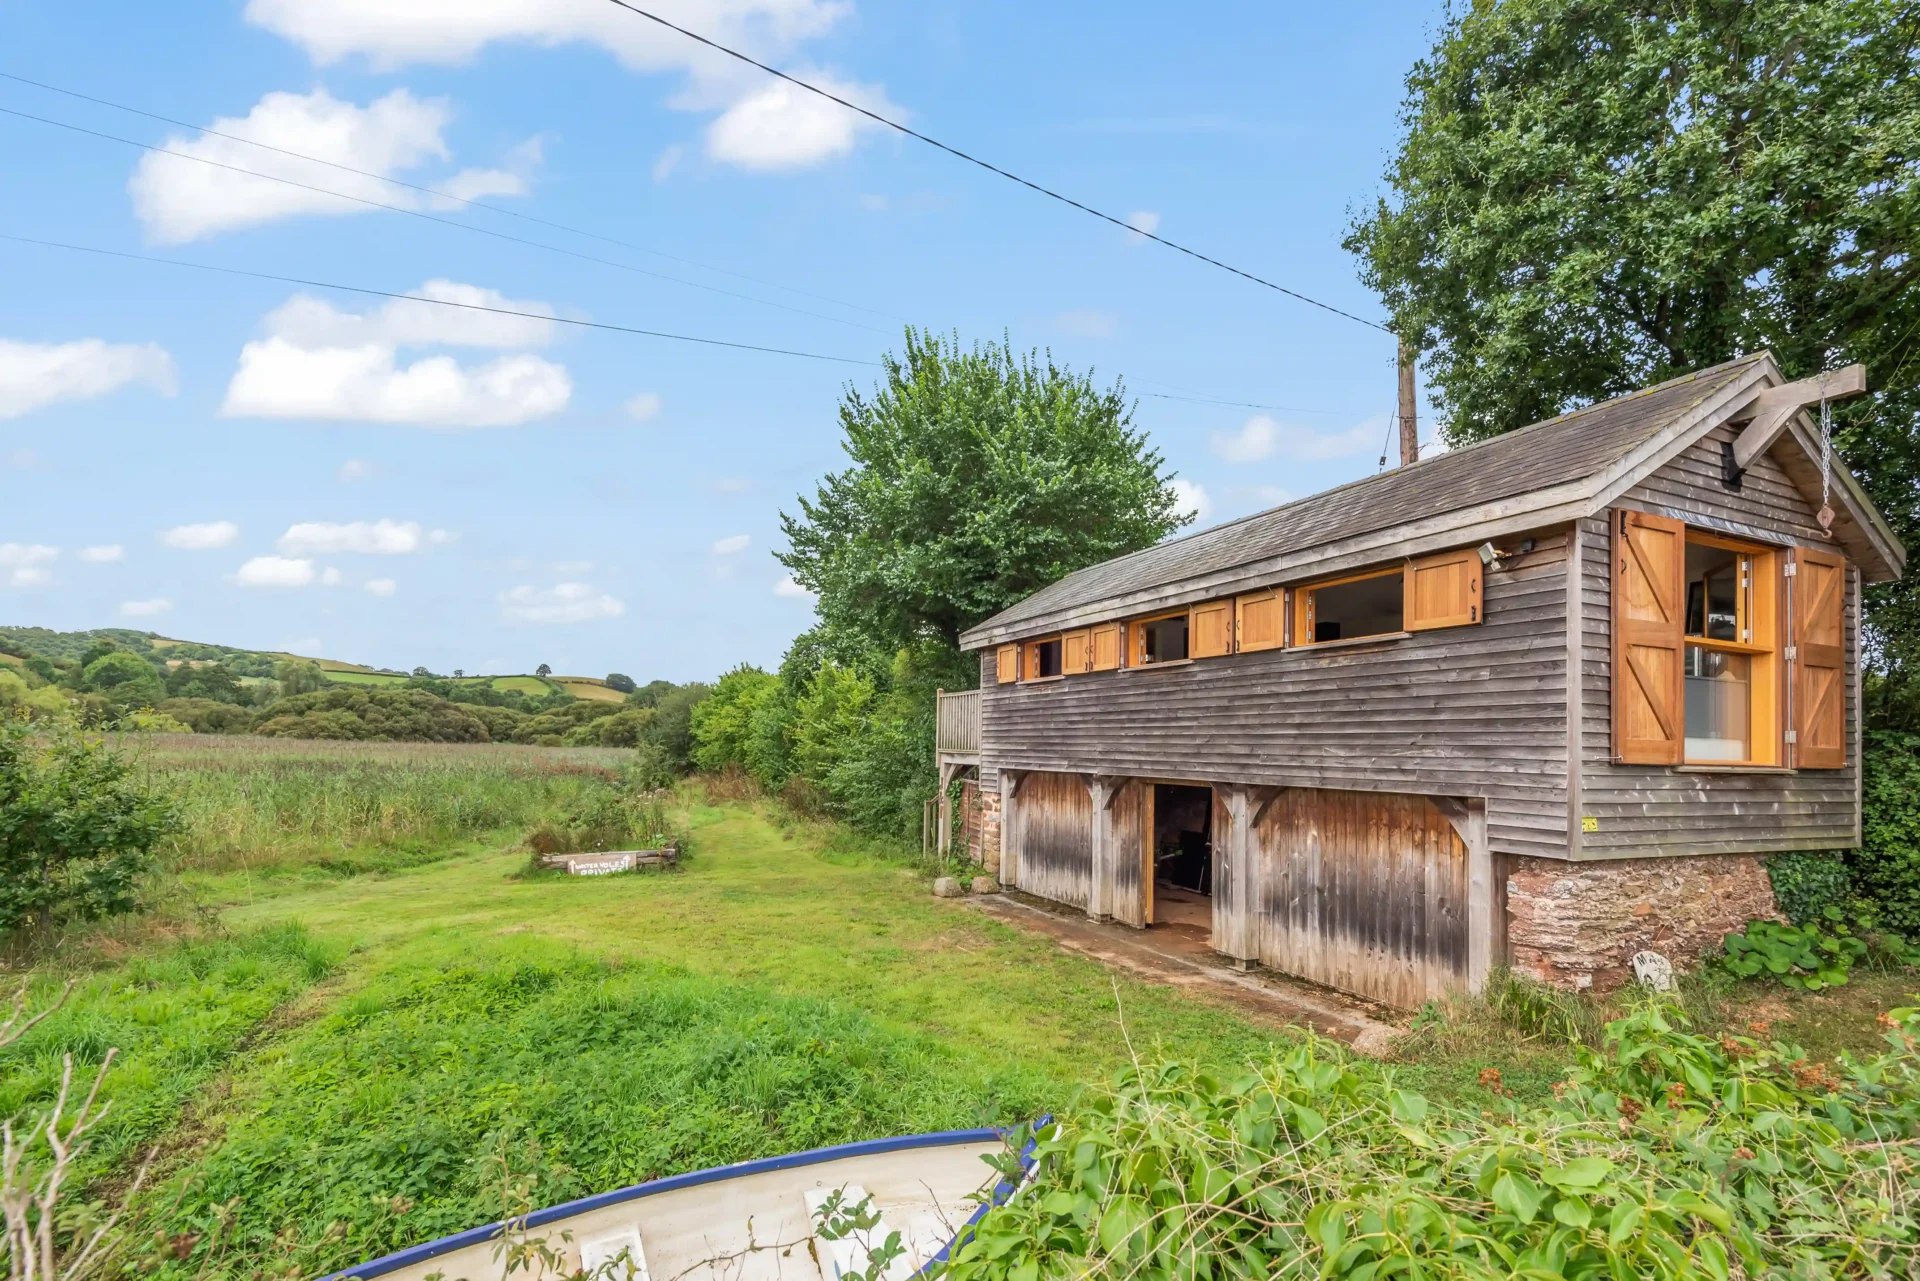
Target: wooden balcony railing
957 727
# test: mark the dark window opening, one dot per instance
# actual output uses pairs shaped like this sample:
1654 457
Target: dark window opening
1183 856
1714 582
1048 658
1367 607
1164 640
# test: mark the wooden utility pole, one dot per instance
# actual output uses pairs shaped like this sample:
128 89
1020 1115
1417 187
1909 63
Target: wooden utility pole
1409 416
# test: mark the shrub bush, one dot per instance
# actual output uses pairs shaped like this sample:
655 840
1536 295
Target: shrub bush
1664 1154
1886 868
76 829
1805 885
385 715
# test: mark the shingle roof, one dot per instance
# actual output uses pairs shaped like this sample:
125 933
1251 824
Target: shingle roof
1569 448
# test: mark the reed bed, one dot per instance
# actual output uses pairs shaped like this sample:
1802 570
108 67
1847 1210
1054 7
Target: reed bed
266 805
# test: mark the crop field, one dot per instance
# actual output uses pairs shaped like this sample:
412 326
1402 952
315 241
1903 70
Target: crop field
585 687
531 685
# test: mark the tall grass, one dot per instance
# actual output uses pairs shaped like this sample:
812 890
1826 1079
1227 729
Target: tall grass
272 805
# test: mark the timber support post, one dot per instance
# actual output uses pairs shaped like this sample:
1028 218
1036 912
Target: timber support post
1100 888
1009 829
1233 879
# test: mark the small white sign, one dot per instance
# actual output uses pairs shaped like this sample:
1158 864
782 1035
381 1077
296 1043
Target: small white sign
601 865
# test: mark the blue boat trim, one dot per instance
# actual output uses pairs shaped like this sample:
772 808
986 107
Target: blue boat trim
566 1210
1002 1193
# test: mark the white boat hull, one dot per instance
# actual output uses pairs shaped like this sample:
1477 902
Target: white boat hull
758 1221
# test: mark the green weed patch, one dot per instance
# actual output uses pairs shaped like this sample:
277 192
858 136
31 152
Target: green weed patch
587 1075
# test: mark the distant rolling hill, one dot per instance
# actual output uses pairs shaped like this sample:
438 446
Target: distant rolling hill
17 643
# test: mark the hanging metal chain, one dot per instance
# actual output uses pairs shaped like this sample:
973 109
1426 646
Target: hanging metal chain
1825 515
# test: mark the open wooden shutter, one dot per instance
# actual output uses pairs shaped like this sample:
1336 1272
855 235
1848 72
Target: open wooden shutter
1819 659
1442 591
1649 644
1261 622
1006 664
1104 647
1074 653
1210 630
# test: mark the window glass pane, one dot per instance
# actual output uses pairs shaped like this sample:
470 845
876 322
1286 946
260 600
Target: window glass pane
1713 587
1166 640
1718 690
1370 607
1049 658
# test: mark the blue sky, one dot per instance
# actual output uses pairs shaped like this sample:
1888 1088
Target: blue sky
230 459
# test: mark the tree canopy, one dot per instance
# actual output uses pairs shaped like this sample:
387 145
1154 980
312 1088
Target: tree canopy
1592 195
977 477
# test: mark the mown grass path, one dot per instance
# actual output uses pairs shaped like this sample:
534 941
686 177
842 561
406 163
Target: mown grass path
774 994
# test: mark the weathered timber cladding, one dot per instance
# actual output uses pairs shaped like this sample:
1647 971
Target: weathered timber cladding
1466 711
1054 815
1127 830
1363 891
1653 810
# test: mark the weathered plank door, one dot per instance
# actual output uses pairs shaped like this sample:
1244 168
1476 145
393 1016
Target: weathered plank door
1130 838
1363 891
1056 837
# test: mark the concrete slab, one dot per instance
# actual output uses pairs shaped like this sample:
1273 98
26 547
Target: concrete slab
1178 956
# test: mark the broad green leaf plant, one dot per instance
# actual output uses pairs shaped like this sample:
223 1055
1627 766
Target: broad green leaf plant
1665 1154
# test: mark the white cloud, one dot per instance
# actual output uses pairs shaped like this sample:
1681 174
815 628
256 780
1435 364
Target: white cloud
307 321
34 375
782 126
179 200
1145 221
1085 324
329 577
1260 437
202 537
1192 499
354 469
873 202
787 587
643 407
318 362
103 555
375 538
515 179
668 162
452 32
1272 495
145 608
275 571
25 564
732 544
441 537
381 586
565 603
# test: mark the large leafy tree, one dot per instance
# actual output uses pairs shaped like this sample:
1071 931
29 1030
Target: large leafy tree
977 477
1594 194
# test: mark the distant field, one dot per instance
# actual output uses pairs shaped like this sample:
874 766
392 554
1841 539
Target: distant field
588 688
532 686
9 658
363 678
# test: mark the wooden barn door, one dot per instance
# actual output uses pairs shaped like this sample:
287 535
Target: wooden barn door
1056 837
1362 891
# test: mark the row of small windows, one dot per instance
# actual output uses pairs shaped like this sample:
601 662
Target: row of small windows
1435 591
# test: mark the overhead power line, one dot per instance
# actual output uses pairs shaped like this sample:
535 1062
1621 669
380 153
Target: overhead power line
422 214
446 195
437 302
1236 404
1051 194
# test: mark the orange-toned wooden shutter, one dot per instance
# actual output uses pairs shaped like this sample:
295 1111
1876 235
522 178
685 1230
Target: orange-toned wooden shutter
1303 617
1210 629
1649 645
1261 622
1075 653
1442 591
1006 664
1104 648
1819 659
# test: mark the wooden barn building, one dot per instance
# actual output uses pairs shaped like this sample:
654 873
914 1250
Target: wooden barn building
1544 701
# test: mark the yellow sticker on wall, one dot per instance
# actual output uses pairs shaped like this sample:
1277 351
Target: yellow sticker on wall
1589 824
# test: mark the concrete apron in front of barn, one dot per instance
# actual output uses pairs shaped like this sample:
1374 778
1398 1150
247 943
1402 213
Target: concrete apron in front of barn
1178 956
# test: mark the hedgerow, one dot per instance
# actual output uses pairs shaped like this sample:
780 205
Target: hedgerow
1664 1154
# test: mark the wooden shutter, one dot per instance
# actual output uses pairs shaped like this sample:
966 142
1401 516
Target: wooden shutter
1074 653
1104 648
1649 646
1819 659
1303 616
1261 621
1442 591
1210 629
1006 664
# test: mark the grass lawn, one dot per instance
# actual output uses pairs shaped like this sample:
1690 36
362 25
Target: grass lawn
352 1045
530 685
341 677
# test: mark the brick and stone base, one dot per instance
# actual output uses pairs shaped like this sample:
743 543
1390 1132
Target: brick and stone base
987 853
1577 925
